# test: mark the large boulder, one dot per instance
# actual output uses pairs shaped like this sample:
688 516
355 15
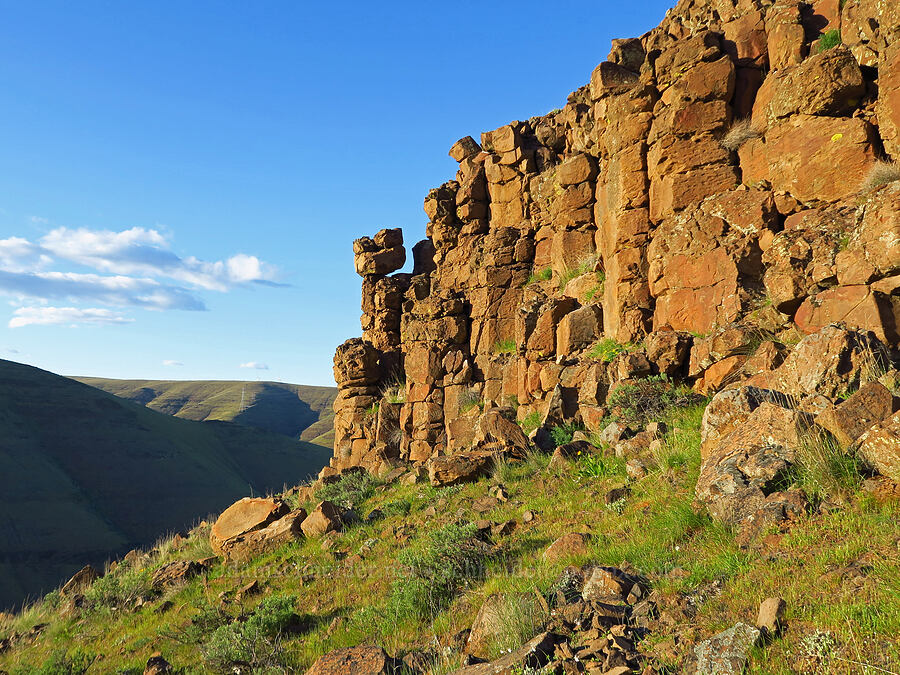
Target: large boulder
462 467
325 518
80 581
496 432
363 660
880 447
850 419
730 409
829 83
813 158
244 516
284 530
382 255
742 475
831 362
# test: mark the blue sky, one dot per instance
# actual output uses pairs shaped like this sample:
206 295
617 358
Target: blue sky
180 183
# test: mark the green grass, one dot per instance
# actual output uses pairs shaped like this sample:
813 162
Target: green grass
607 349
830 40
530 422
415 578
507 346
580 269
537 277
350 491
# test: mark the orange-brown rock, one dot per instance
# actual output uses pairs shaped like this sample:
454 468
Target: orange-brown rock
246 546
244 516
80 581
860 307
570 545
326 517
462 467
849 420
880 447
829 83
362 660
813 158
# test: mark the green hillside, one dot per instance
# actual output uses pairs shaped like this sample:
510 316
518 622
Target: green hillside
85 475
288 409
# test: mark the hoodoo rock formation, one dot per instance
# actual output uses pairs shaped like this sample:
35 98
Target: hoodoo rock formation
712 188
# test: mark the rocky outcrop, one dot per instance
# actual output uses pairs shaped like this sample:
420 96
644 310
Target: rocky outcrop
243 517
688 212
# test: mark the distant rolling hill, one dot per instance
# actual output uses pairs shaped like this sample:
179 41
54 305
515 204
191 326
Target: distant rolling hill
292 410
85 475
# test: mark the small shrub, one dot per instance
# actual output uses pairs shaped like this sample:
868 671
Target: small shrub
740 132
398 507
530 422
372 410
881 173
649 400
505 347
436 570
518 618
829 40
118 589
607 349
255 641
65 663
537 277
350 491
599 466
563 433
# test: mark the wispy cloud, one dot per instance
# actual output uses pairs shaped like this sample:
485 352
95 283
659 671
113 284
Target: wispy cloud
255 365
171 363
130 268
48 316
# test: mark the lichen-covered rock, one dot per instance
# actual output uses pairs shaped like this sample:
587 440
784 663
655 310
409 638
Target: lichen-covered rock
726 653
326 517
246 546
880 447
461 467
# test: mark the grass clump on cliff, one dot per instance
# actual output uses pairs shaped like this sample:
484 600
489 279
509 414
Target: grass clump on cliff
882 173
740 132
530 422
581 268
507 346
607 349
542 275
830 40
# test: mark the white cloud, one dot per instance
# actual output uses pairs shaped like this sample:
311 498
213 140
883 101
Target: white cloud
131 268
255 365
48 316
170 362
114 290
147 252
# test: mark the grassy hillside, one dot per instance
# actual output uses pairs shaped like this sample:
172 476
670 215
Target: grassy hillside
292 410
85 475
397 580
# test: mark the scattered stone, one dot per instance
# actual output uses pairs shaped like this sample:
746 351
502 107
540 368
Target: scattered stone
173 573
771 612
880 447
325 518
463 467
873 403
363 660
726 653
534 654
80 581
157 665
607 584
567 546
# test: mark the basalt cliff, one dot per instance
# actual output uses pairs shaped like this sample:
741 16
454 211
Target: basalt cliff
722 188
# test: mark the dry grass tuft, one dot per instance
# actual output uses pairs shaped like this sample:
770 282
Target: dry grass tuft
881 173
739 133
